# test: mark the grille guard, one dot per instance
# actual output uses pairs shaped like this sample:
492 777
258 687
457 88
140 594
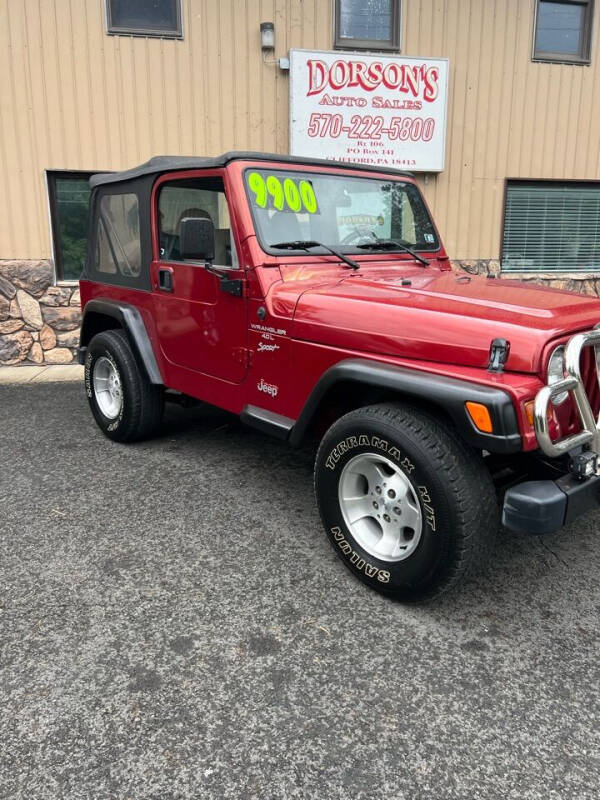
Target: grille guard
573 383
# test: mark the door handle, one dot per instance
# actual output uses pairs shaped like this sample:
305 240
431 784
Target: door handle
165 279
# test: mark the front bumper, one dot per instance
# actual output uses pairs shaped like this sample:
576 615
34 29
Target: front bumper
545 506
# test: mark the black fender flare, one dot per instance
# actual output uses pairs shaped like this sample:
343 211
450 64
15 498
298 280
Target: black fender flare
450 394
131 321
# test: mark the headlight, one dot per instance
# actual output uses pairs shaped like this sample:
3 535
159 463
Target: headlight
556 373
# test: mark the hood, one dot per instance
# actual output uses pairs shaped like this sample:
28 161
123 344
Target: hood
441 316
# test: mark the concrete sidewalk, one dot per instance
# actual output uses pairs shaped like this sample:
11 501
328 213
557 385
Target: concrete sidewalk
44 374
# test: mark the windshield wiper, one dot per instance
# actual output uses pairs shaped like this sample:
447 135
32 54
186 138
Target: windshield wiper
387 244
308 244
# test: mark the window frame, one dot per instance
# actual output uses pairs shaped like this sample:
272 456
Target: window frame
51 177
165 184
140 186
393 45
114 30
584 59
531 181
192 174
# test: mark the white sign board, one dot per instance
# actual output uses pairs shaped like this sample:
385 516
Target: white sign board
384 110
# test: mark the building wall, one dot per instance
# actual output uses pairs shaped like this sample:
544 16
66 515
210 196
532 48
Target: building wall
73 98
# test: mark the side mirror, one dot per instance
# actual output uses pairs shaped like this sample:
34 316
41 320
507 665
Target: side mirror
197 239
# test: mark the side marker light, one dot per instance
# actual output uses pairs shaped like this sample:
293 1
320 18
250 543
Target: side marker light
480 416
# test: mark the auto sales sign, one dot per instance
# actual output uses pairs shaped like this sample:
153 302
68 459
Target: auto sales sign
371 109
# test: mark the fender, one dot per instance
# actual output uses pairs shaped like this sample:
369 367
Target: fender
450 394
131 321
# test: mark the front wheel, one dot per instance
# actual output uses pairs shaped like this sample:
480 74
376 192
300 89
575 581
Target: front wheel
407 506
126 406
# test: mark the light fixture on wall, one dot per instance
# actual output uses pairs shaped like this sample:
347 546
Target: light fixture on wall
267 45
267 37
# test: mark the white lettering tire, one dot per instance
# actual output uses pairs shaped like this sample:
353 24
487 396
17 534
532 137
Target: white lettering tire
126 406
408 507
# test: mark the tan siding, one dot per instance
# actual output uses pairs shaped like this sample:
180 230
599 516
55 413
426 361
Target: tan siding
72 97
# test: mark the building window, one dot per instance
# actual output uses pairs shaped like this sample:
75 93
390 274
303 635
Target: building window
551 226
69 195
562 30
367 24
144 17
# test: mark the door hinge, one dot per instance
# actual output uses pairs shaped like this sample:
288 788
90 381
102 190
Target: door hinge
242 355
234 286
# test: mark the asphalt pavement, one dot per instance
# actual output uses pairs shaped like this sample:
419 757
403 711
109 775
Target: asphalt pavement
174 624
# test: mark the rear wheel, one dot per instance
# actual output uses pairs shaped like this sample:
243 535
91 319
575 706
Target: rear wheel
126 406
408 507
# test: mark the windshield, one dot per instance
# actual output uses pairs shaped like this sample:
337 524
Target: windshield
337 210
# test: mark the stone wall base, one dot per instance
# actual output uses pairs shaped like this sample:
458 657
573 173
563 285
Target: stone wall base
582 282
39 322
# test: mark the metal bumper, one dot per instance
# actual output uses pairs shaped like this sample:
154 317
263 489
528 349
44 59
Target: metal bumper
573 382
545 506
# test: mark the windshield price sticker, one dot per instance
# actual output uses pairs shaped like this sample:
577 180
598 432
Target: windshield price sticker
295 196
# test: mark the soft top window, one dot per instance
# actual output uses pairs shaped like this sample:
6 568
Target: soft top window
118 246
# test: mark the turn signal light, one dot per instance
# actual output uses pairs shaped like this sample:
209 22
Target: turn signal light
480 416
529 412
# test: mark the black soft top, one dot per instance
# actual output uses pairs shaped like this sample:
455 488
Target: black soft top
160 164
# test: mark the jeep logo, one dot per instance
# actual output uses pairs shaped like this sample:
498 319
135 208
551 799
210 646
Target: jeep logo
267 388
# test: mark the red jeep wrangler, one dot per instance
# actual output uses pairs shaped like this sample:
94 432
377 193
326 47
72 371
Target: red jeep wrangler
316 301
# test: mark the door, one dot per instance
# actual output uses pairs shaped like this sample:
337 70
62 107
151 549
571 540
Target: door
199 326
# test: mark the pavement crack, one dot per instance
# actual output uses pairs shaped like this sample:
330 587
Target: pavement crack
552 552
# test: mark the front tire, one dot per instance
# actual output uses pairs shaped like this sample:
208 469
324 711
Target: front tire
126 406
408 507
